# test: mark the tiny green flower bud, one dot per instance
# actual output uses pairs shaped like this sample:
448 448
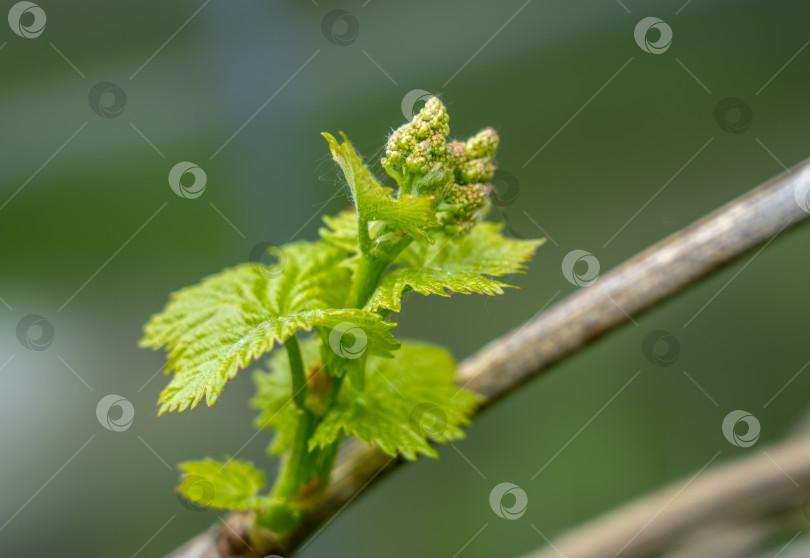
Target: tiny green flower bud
476 171
414 147
456 154
463 206
482 145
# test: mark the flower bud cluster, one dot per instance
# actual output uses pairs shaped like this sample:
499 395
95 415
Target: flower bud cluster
455 174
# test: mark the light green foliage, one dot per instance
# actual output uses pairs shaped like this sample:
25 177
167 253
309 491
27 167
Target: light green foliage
275 402
234 485
458 263
374 202
400 413
341 230
408 402
461 263
215 328
344 352
348 377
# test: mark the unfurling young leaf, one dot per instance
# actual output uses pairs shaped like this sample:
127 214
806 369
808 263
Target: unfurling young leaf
374 202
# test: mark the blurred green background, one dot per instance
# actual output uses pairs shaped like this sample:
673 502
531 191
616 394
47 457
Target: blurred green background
598 136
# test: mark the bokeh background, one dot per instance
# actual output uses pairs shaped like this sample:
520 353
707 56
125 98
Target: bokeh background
605 148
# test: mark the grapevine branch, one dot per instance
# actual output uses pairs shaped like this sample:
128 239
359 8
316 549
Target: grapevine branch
651 277
772 480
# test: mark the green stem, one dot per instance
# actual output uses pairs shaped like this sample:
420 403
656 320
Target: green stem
299 377
406 184
371 267
302 481
363 237
304 474
367 277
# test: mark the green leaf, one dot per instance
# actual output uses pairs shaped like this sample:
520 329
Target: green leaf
234 485
347 344
407 402
341 230
460 263
213 329
344 352
374 202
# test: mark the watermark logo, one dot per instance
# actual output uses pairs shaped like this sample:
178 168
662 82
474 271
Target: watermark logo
412 99
34 332
348 340
499 493
581 279
103 414
190 191
107 99
506 186
661 348
199 493
642 34
269 258
429 420
27 20
733 115
340 27
746 439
